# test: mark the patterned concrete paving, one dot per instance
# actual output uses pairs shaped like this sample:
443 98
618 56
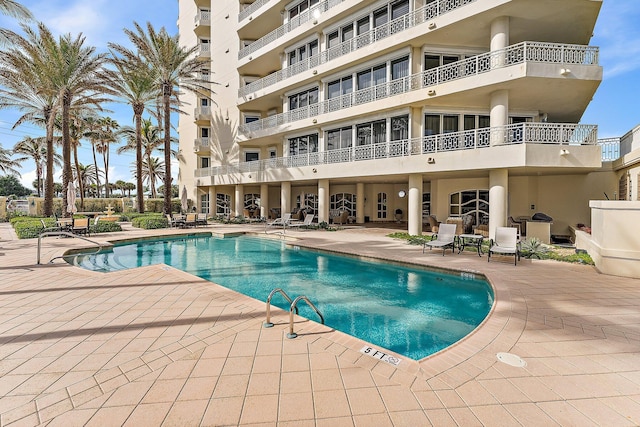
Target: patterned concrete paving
156 346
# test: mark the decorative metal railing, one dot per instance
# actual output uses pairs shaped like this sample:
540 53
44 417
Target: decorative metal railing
520 133
251 8
395 26
204 49
610 149
291 25
202 16
512 55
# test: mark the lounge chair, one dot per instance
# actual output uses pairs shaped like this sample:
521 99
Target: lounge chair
505 243
307 221
201 219
80 226
279 222
191 220
445 238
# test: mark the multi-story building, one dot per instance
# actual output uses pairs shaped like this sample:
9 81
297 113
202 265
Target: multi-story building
394 110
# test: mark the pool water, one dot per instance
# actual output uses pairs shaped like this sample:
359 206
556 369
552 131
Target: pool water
411 311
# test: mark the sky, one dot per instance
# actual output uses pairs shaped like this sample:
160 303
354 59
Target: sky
614 107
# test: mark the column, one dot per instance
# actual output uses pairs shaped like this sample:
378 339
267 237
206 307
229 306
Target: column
323 200
285 197
498 189
499 115
264 201
415 204
360 203
499 33
213 199
239 200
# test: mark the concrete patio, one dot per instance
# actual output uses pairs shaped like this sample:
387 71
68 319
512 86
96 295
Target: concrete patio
156 346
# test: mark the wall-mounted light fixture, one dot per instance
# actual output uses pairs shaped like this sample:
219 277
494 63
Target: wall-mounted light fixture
226 51
431 92
249 176
432 25
314 170
314 121
227 16
315 72
402 193
431 160
565 71
564 152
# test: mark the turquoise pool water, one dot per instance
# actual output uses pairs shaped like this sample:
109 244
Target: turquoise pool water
414 312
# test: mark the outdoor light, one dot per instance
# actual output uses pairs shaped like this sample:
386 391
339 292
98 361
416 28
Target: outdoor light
565 71
432 25
564 152
314 170
431 160
431 92
402 193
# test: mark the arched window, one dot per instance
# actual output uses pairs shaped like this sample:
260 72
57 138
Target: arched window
309 201
470 202
343 202
223 204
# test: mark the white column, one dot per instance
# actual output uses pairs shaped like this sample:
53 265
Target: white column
239 200
264 201
498 189
415 204
212 200
360 202
323 200
500 33
285 197
499 114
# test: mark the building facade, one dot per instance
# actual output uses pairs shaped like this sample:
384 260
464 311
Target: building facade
394 110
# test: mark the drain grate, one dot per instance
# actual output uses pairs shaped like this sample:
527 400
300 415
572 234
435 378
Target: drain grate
511 359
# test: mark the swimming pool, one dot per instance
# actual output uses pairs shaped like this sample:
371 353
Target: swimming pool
411 311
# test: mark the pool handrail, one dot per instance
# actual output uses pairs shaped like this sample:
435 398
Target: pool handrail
68 234
294 306
267 323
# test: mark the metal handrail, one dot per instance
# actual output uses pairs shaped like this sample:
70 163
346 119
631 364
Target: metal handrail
64 233
267 323
294 306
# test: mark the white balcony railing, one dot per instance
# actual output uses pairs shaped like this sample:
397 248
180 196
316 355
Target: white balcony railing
521 133
251 8
202 112
204 49
522 52
610 149
201 144
203 17
294 23
396 26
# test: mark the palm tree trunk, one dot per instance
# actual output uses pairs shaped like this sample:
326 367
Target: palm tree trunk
139 184
166 92
80 178
95 164
105 156
48 189
67 175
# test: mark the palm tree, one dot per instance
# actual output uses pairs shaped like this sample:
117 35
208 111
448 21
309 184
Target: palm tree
131 186
120 184
92 132
85 176
16 10
77 78
36 150
135 85
152 171
107 136
175 67
25 74
7 164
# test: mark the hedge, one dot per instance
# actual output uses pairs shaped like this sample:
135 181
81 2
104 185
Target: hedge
105 227
149 222
31 229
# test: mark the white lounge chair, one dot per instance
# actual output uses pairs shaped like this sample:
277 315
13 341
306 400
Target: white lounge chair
306 222
445 238
283 221
505 243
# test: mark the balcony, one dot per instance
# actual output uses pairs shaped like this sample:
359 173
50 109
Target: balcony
203 18
396 26
279 32
201 146
202 113
522 133
610 149
204 51
244 13
547 53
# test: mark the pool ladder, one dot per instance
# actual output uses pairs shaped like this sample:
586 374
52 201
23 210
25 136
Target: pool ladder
293 307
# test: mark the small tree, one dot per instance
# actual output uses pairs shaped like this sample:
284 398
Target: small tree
10 185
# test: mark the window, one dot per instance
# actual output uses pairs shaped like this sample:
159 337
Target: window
204 132
399 8
251 156
431 124
333 39
204 162
303 52
382 205
400 68
204 203
223 204
373 132
303 99
435 60
449 124
340 87
470 202
303 145
426 204
372 76
400 128
343 202
204 102
251 201
309 202
273 153
249 119
339 138
301 7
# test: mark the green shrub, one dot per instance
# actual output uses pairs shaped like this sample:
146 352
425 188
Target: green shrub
578 258
31 229
104 227
533 248
150 222
134 215
21 218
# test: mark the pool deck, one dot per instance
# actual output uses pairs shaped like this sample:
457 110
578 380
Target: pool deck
156 346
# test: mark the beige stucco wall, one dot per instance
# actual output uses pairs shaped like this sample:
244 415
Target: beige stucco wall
614 244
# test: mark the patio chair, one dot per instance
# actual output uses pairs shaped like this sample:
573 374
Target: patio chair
278 222
445 238
341 218
307 221
191 220
201 219
46 228
80 226
505 243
